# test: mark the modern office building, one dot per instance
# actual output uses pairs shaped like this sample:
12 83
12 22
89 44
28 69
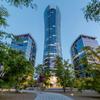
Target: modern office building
26 44
52 42
77 52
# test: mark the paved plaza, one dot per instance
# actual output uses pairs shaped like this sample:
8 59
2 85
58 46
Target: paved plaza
51 96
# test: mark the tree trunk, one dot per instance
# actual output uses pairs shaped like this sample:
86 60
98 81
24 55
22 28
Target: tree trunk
71 89
64 89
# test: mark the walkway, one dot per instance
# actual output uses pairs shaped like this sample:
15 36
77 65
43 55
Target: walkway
51 96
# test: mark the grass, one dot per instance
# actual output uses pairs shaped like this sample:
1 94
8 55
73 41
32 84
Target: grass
17 96
79 96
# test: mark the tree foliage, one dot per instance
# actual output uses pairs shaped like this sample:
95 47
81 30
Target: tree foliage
43 73
92 11
91 61
17 71
4 13
63 73
19 3
95 53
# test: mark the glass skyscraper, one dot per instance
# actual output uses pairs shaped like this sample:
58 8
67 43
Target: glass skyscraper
26 44
52 42
77 52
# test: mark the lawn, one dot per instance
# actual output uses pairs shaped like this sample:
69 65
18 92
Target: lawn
83 96
17 96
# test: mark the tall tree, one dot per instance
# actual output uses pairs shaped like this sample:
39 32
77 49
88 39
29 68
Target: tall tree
63 73
43 73
18 72
16 69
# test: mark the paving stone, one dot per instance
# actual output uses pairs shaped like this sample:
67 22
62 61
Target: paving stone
51 96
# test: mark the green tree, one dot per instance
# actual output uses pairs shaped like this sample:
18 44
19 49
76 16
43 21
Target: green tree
18 72
39 69
43 73
4 13
63 73
91 61
47 74
94 53
92 11
19 3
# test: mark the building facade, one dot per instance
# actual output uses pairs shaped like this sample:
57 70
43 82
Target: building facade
26 44
77 52
52 42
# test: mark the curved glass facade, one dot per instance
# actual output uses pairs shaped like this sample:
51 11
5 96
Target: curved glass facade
52 42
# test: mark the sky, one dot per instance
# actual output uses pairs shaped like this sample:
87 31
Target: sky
27 20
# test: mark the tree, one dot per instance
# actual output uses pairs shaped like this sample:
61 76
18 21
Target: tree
17 3
91 61
94 53
43 73
18 72
4 13
63 73
92 11
79 83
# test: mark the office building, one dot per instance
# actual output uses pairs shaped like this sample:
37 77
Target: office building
26 44
52 42
77 52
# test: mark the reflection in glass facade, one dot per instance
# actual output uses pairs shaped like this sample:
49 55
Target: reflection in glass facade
26 44
52 43
77 52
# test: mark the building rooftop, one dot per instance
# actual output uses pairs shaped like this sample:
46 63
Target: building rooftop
27 34
52 6
83 36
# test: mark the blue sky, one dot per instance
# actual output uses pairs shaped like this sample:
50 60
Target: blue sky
27 20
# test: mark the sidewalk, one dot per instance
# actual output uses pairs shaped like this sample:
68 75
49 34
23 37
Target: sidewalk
48 96
51 96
